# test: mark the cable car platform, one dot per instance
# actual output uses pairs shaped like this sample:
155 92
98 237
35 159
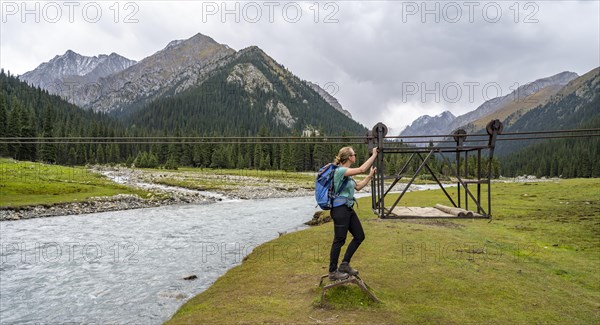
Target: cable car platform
437 212
467 169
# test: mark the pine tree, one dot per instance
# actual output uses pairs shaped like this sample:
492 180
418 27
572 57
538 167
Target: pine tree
48 150
141 161
288 162
3 125
27 151
257 156
241 162
176 150
113 153
72 156
229 160
218 159
80 156
276 157
163 150
495 168
319 155
186 155
171 163
100 154
152 160
206 152
146 159
91 157
585 166
265 163
14 127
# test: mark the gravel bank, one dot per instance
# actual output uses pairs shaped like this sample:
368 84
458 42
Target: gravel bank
160 194
97 204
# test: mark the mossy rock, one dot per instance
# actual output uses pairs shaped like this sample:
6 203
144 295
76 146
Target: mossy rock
319 218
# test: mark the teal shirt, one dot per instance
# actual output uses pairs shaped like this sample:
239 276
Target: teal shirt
338 178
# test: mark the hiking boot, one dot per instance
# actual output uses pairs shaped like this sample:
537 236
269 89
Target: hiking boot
337 276
345 267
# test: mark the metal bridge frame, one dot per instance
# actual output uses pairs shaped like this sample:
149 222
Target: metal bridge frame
376 137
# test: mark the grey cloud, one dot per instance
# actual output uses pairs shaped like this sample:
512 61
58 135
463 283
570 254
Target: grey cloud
369 53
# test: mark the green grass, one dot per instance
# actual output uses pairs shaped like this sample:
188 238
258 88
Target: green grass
28 183
536 262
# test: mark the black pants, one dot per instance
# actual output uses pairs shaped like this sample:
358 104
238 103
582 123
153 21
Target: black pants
344 220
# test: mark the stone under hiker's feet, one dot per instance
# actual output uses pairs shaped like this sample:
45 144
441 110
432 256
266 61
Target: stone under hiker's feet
337 275
345 267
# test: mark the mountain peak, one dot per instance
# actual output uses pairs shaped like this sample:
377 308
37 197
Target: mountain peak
178 66
173 44
74 65
194 43
253 49
562 79
190 70
429 125
69 55
499 107
328 98
446 115
201 37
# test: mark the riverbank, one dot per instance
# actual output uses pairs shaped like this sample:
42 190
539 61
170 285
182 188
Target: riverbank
97 204
230 184
32 190
535 263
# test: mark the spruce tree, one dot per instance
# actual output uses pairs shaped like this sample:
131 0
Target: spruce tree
14 127
218 159
27 151
91 157
100 154
163 149
48 150
72 156
257 156
3 124
171 163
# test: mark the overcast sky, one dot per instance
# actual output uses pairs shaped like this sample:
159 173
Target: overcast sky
387 61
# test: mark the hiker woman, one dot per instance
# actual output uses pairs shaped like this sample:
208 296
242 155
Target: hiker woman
342 213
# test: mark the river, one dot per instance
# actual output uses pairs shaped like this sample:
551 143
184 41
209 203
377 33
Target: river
128 266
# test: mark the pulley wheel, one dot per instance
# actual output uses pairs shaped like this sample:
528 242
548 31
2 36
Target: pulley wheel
369 137
380 127
494 125
460 133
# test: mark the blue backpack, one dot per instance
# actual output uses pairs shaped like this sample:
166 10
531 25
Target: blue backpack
324 191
